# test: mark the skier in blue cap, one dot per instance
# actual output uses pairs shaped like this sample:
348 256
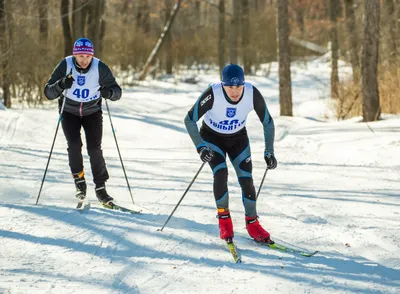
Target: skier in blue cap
225 107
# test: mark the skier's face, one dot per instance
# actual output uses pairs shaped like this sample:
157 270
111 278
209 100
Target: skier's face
83 60
234 92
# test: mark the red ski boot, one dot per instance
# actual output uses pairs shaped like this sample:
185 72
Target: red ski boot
225 224
256 231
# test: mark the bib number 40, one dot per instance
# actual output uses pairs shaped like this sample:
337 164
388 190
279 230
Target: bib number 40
81 93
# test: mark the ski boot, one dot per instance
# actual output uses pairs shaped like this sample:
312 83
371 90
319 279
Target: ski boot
225 224
80 185
256 231
102 195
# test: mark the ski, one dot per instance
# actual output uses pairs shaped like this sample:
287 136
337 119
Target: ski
233 250
81 206
112 205
283 248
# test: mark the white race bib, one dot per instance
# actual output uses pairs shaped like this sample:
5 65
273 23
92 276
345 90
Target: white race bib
227 118
86 86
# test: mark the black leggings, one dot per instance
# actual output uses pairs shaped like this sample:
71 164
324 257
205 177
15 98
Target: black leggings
93 127
237 147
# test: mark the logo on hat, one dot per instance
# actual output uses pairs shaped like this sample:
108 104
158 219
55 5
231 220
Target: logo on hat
230 112
235 81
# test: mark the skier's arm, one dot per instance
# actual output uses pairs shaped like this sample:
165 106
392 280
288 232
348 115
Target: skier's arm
53 90
107 81
202 105
266 119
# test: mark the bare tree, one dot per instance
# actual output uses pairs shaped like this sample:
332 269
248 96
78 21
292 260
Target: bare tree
64 10
169 56
157 47
43 21
221 37
245 35
285 81
143 16
349 6
4 51
333 6
299 8
389 33
234 31
80 12
96 25
370 90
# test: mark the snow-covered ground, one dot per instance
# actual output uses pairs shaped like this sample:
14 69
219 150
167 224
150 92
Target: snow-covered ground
336 190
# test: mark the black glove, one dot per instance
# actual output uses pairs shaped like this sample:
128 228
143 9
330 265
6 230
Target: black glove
270 160
66 82
206 154
106 93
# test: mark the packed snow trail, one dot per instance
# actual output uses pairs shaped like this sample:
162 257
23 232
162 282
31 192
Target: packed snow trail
337 183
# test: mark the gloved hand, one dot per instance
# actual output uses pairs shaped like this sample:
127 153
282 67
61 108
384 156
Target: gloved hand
106 93
67 81
206 154
270 160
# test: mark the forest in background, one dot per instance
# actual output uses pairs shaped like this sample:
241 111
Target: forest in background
34 38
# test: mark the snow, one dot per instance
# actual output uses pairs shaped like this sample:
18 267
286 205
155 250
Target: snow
337 183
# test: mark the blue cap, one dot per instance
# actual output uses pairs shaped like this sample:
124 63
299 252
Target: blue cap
232 75
83 46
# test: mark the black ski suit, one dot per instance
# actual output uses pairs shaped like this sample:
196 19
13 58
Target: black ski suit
87 115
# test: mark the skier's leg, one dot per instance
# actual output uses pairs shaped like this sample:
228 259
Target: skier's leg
93 126
220 186
71 125
240 156
241 159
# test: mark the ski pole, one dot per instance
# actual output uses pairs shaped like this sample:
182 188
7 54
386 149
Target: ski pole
183 196
54 140
119 153
262 182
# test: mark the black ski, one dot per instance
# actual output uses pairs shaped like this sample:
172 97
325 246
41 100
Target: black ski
82 206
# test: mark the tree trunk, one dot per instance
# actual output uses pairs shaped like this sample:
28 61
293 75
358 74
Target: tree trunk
95 25
389 34
299 10
4 56
221 37
79 15
43 42
285 82
143 16
352 34
333 4
43 22
169 57
157 47
370 90
245 36
66 28
234 32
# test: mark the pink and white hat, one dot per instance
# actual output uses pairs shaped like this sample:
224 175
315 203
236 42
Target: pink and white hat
83 46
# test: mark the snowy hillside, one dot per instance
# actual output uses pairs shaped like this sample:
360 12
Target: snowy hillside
337 183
